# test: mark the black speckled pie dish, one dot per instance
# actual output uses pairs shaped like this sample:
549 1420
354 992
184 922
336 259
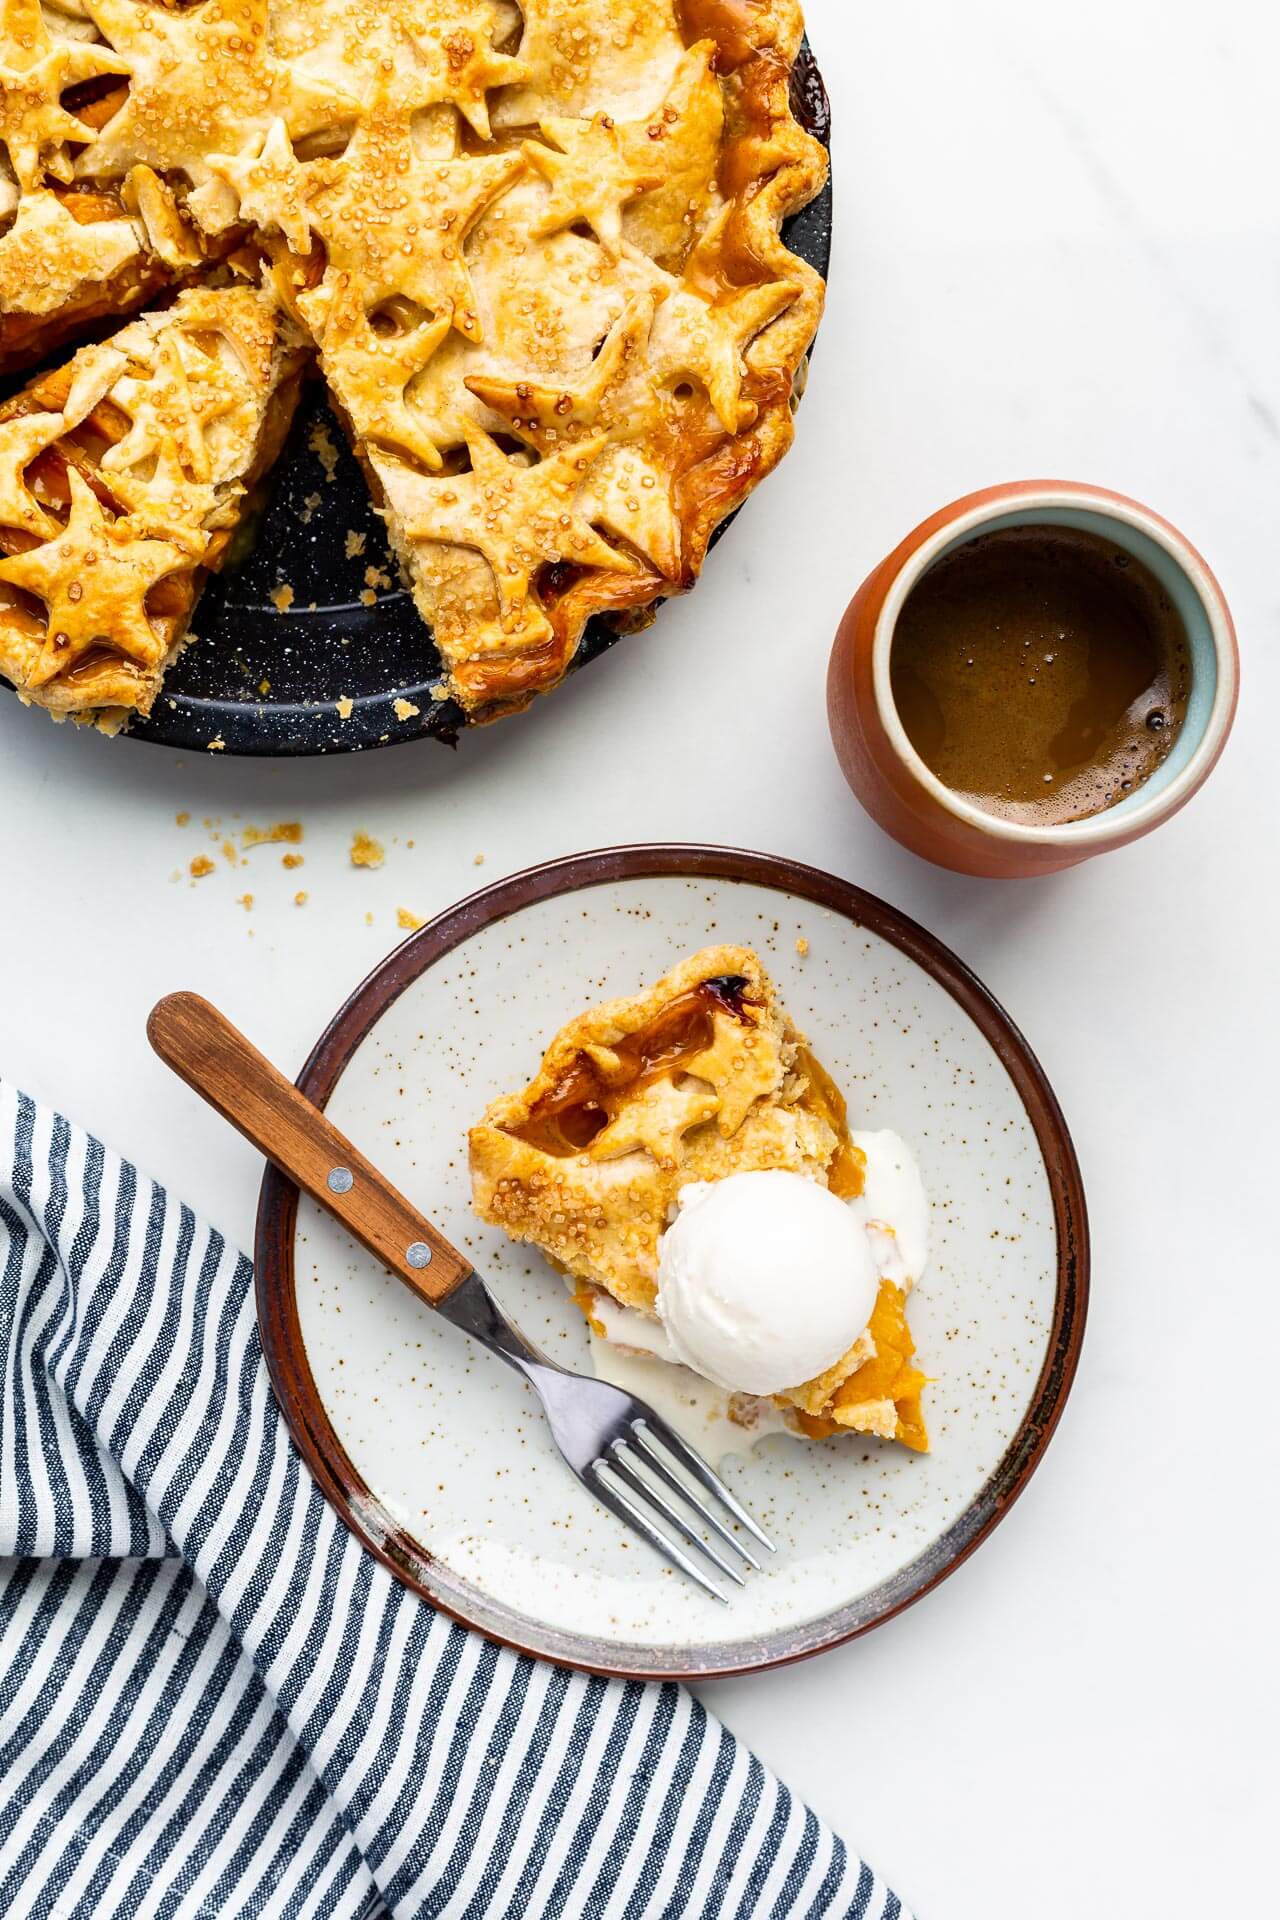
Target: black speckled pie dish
437 1457
267 681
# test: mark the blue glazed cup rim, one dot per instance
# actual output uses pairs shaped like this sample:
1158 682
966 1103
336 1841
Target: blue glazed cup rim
1198 598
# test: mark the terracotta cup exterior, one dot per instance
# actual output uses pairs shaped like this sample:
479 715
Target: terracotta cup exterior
889 777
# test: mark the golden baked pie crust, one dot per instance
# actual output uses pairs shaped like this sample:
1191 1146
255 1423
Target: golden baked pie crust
537 247
123 475
699 1077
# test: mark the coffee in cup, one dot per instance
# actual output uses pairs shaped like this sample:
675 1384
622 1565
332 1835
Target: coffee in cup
1041 672
1021 763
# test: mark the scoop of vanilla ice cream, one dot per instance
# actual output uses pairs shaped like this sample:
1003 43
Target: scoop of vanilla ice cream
764 1280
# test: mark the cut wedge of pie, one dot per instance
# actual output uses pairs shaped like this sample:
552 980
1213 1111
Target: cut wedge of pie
699 1078
123 477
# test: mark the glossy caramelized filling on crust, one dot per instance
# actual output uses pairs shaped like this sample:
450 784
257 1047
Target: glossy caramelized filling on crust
587 1096
534 242
698 1078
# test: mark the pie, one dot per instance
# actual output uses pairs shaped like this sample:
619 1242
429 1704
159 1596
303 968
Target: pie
123 478
701 1077
534 249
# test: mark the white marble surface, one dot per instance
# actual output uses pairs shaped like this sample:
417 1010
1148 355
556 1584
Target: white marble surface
1058 252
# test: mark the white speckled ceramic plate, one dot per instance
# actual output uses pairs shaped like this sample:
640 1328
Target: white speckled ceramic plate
436 1454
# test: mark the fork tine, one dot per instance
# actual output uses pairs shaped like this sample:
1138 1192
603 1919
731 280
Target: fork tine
621 1462
656 1464
631 1515
701 1471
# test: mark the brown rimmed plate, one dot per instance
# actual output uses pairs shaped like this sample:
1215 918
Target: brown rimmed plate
436 1456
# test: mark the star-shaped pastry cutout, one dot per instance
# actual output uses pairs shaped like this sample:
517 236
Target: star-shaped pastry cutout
439 401
167 505
580 52
93 373
174 401
93 577
706 340
628 494
656 1120
599 167
48 253
397 223
204 79
455 41
35 71
548 413
517 518
373 373
270 185
742 1064
20 441
232 328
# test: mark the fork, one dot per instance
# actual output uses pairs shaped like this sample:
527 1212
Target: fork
623 1452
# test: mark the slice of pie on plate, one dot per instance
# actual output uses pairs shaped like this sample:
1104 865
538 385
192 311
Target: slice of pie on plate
700 1079
123 478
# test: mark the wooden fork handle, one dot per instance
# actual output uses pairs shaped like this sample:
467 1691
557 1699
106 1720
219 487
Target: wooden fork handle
224 1068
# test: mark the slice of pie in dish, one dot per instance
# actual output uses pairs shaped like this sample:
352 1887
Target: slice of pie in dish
669 1134
123 478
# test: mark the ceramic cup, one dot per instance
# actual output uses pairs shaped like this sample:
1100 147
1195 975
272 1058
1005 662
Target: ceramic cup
892 781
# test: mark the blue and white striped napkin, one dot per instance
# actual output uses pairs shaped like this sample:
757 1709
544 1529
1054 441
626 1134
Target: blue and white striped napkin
214 1702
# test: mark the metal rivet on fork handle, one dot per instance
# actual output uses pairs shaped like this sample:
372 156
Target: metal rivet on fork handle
419 1254
341 1180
